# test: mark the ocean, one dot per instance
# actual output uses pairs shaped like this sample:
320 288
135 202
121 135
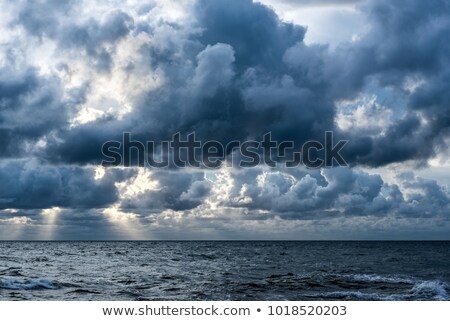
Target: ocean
225 270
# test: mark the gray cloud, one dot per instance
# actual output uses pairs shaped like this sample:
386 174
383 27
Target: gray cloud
242 77
31 107
336 192
403 45
269 79
32 185
93 36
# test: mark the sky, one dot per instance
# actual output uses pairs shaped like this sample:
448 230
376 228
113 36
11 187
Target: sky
75 74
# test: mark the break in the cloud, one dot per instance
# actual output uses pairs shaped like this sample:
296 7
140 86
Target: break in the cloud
75 74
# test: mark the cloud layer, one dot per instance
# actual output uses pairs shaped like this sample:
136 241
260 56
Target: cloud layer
74 75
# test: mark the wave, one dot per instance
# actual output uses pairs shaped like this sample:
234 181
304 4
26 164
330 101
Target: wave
33 284
421 290
434 289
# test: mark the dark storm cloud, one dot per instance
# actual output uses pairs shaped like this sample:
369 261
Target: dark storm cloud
240 78
244 72
82 142
218 83
31 107
408 40
253 30
31 185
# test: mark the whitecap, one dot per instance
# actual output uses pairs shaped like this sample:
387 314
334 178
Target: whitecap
380 278
430 290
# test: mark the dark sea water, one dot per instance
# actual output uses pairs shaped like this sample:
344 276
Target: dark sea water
224 270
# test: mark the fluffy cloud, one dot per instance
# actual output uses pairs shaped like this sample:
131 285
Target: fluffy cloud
174 190
336 192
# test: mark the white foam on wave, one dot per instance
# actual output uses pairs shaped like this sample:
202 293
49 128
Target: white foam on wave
422 290
380 278
33 284
434 289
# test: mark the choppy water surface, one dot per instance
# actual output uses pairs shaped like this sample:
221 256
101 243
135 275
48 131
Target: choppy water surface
224 270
